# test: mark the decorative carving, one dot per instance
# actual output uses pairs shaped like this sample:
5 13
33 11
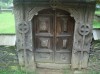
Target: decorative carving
45 56
44 42
64 24
23 27
43 24
72 10
63 57
34 10
78 48
84 29
53 3
64 43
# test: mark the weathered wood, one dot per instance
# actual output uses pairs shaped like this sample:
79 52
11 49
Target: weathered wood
53 66
75 42
53 32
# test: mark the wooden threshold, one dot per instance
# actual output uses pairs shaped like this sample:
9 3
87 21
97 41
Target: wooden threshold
53 66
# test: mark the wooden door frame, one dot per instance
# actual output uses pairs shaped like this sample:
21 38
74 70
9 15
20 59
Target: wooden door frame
73 34
32 10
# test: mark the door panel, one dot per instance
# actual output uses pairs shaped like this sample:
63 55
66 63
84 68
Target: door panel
43 39
61 25
61 44
44 57
62 33
44 24
53 37
63 57
63 51
44 44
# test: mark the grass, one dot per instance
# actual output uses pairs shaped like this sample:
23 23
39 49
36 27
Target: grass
15 69
15 72
7 23
11 72
97 12
22 72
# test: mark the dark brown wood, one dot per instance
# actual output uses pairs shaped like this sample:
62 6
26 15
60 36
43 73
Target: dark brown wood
53 37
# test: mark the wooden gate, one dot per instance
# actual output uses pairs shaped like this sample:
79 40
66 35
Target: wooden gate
53 38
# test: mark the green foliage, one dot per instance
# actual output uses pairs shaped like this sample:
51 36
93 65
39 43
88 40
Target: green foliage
15 72
6 1
3 5
94 59
11 72
98 1
8 57
66 71
93 72
96 24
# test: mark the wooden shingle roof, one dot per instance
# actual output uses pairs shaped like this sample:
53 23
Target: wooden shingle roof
47 1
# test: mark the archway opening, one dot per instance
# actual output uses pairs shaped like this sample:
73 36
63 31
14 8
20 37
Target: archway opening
53 32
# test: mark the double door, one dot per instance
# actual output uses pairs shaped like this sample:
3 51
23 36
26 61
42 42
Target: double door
53 37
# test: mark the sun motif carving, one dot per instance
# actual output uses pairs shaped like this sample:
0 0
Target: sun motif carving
84 29
44 42
23 27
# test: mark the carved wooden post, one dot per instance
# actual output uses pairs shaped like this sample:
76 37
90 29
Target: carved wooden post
26 48
23 28
84 30
24 39
82 40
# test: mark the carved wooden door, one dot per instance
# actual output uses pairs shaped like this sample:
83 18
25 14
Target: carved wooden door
53 37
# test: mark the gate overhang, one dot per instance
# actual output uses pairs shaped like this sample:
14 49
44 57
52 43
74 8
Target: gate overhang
81 11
